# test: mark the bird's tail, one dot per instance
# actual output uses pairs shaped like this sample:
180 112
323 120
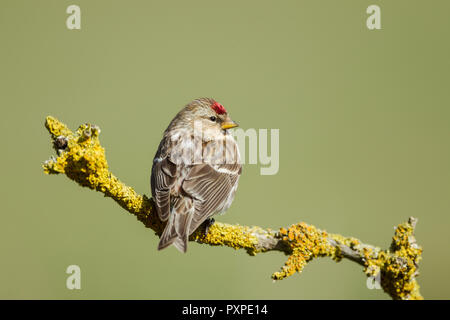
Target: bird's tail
176 231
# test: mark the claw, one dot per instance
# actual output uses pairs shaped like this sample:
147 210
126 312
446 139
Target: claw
208 223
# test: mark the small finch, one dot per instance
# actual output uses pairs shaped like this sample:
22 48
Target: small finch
195 171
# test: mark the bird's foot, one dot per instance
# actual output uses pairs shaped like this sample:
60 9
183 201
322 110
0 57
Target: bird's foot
208 223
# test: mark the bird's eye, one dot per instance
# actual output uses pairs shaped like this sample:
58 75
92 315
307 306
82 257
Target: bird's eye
212 118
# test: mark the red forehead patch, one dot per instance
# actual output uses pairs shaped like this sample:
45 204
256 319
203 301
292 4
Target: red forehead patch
218 108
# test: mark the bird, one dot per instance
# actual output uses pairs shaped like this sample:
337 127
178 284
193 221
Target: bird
195 171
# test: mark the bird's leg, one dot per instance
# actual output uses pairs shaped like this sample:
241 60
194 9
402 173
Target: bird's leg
208 223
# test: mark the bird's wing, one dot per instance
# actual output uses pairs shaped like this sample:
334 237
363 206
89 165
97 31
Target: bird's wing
211 188
164 174
205 190
178 224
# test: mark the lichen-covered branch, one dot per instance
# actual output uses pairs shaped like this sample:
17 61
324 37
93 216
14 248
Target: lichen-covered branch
82 159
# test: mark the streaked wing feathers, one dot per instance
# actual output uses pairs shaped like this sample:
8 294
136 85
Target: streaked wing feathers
163 178
210 188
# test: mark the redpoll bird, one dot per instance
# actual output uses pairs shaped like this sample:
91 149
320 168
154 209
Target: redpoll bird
195 171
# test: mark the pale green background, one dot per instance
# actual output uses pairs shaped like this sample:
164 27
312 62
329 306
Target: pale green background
364 138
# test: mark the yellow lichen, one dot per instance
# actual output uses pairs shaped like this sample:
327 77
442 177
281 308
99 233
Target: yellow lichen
57 128
306 242
398 267
83 160
234 236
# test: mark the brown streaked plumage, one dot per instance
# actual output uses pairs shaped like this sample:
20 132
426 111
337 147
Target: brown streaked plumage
195 171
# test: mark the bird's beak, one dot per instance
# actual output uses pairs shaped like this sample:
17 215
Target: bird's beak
228 124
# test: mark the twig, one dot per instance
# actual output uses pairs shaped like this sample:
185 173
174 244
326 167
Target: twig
82 159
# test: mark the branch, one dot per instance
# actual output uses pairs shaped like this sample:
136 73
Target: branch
82 159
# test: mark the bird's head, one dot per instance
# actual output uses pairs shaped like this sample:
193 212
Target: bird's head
209 114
